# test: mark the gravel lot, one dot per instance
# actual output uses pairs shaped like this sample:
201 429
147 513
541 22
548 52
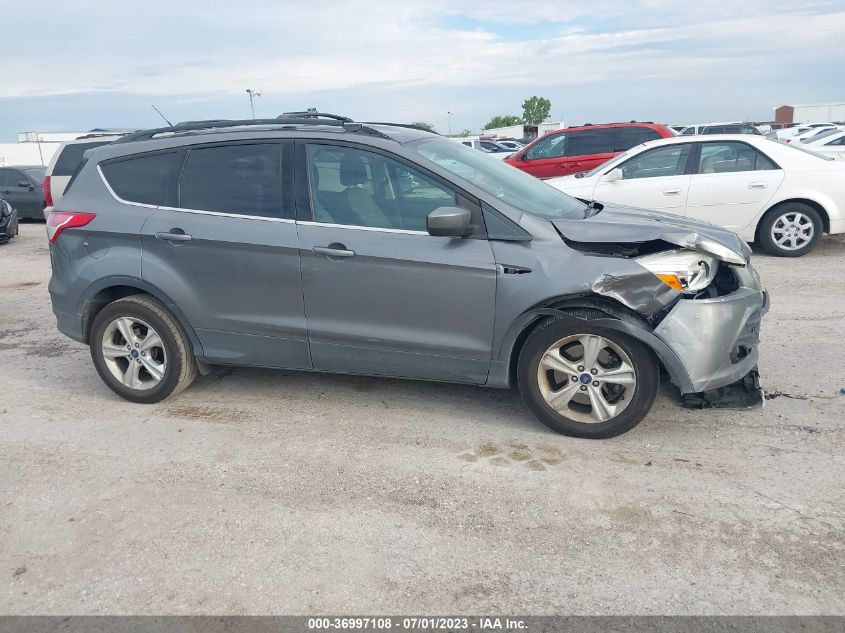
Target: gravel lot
281 492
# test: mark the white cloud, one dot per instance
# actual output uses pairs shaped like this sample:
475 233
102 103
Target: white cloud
416 58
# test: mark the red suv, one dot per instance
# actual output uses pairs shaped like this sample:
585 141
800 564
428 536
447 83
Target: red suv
582 148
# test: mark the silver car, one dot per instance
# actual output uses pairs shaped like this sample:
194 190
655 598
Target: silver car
317 243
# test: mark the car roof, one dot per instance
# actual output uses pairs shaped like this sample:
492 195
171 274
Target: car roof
595 126
21 166
292 125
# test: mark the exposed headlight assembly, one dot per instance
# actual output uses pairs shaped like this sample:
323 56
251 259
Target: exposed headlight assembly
684 270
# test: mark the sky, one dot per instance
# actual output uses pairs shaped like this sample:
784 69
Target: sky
84 64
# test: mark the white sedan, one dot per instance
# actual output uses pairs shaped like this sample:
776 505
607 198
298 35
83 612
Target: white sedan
832 145
779 195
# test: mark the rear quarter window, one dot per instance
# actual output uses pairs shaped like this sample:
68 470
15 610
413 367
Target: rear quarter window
71 155
144 179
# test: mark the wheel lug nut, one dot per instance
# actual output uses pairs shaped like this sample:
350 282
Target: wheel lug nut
595 383
580 368
594 371
137 345
575 379
583 387
138 361
143 353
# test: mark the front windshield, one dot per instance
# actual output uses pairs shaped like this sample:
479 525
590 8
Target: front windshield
509 184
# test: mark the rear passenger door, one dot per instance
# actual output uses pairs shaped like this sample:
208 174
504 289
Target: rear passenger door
731 184
587 149
224 248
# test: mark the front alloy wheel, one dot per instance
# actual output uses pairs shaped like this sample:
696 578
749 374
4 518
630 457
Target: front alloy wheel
585 380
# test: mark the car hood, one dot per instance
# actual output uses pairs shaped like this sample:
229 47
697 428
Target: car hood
617 223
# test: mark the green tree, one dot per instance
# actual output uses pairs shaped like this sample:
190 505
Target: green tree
503 120
424 125
535 110
464 133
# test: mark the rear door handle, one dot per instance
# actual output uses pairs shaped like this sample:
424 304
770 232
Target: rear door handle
757 185
671 192
333 251
173 237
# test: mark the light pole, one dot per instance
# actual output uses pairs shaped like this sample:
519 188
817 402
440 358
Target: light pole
450 121
252 93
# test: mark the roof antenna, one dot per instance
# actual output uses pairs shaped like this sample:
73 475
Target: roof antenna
161 115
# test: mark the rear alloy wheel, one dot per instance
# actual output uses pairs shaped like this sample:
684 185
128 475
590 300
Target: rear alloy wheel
586 381
791 230
140 350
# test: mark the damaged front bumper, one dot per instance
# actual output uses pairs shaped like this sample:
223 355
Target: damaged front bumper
716 339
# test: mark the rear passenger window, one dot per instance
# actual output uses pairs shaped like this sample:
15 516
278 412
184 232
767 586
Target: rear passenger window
627 137
585 142
718 158
240 179
144 179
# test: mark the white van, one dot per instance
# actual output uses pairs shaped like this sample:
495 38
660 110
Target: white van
64 163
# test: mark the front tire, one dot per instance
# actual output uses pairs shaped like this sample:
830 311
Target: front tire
586 381
790 230
141 351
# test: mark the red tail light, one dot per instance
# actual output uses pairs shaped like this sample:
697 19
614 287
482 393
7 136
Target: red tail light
58 221
48 195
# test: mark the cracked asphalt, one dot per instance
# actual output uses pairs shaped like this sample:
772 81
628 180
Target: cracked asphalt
291 493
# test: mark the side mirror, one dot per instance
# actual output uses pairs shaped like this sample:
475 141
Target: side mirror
449 222
614 174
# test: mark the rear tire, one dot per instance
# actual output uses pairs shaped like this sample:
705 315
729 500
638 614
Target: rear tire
141 351
603 382
790 230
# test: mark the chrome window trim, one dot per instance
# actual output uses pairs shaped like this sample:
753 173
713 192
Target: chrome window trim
196 211
361 228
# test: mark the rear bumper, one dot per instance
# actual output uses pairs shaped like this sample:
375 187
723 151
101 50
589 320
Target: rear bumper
716 340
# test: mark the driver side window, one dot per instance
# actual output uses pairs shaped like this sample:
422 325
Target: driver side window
551 146
654 163
360 188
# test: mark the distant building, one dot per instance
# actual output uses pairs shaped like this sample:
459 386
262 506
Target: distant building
811 113
524 131
37 148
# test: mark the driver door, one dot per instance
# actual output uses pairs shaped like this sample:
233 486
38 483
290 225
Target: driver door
382 296
655 179
545 158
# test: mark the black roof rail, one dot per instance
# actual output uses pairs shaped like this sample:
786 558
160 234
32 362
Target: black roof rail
314 115
286 119
405 125
188 126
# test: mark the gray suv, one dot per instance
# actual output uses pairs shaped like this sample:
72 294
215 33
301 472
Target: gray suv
317 243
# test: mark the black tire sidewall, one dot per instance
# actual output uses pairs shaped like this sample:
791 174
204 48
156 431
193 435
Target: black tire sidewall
765 234
545 336
128 308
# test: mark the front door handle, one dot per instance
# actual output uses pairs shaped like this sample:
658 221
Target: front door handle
757 185
671 192
173 237
333 250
